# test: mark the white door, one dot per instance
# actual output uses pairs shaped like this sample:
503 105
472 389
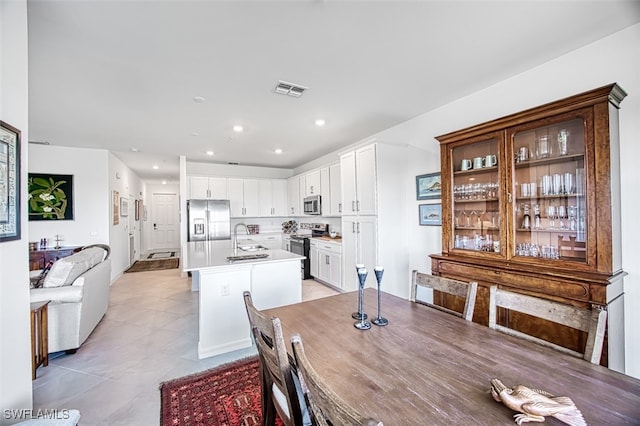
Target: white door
164 221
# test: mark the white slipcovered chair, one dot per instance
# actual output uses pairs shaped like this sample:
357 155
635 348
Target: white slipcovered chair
78 288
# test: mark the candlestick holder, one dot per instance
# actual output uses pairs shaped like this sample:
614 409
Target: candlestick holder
362 324
380 321
361 279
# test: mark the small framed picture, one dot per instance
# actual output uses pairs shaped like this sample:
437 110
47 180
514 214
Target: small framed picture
124 206
429 186
430 214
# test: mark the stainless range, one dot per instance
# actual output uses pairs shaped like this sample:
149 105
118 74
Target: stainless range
300 244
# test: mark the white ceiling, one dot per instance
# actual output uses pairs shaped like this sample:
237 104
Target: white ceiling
123 74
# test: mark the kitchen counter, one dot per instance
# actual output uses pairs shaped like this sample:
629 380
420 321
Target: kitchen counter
337 240
198 255
223 324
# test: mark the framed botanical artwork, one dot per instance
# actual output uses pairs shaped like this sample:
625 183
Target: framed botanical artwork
116 207
124 206
50 196
9 182
429 186
430 214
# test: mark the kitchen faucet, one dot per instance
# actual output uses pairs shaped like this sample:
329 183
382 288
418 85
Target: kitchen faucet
235 236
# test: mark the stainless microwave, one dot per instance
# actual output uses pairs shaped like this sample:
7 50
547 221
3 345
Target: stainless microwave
312 205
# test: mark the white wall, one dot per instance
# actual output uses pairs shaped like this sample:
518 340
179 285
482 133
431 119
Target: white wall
128 185
90 224
227 170
15 342
612 59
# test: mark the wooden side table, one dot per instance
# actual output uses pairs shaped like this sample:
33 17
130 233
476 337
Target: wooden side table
39 336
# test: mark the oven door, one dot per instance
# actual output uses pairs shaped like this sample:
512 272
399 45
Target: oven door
296 246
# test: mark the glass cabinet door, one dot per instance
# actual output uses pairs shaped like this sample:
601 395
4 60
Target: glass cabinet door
476 188
549 208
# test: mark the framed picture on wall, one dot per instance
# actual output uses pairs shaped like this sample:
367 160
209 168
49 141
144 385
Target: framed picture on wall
9 182
124 206
116 207
430 214
428 186
50 196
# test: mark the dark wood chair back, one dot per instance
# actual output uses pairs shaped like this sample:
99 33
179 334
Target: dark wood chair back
466 291
328 408
275 367
593 321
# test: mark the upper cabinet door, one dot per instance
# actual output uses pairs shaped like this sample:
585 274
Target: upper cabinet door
279 197
366 188
251 198
335 208
236 196
312 183
348 173
218 188
552 216
198 187
475 221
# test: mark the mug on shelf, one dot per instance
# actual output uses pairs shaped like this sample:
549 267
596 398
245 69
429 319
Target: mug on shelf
523 154
490 160
465 164
478 162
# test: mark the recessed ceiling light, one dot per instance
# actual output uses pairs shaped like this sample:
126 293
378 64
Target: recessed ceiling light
164 182
278 151
155 167
238 128
134 149
209 152
320 122
198 99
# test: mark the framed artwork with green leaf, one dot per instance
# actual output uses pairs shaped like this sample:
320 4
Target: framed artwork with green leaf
50 196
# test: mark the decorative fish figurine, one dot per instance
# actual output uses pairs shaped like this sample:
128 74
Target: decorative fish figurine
536 404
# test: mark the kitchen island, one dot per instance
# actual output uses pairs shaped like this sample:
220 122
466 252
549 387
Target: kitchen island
274 280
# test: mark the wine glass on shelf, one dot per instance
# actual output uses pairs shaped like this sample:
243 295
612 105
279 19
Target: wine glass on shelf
561 214
551 214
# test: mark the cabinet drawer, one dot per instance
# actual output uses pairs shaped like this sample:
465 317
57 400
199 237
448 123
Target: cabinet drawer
536 284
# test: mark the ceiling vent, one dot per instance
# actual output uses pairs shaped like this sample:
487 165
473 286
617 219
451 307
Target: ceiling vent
40 142
289 89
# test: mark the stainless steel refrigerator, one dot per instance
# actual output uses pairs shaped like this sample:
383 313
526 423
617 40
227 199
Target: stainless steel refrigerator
209 220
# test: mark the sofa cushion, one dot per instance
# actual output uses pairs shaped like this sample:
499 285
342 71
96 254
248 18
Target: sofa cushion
64 271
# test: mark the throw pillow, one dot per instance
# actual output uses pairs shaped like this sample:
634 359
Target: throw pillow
65 271
36 281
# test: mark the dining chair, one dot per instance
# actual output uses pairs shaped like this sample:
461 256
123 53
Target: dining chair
464 290
328 409
593 321
281 389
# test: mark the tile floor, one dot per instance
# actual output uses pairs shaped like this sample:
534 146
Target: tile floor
149 335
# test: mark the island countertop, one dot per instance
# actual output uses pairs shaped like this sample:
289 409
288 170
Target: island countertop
198 255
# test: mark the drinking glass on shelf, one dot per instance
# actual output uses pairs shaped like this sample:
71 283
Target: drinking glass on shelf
569 185
545 185
561 213
557 184
551 213
572 212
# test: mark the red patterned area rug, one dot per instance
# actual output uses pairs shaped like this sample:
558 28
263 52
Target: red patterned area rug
228 395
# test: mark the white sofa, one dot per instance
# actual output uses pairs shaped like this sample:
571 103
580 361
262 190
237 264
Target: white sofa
78 287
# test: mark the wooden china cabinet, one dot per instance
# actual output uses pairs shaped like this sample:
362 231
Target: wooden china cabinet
531 202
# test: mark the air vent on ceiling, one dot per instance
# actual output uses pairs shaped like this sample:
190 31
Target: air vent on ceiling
289 89
40 142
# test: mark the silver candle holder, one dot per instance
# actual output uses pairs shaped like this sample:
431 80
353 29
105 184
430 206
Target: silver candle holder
362 324
360 314
380 321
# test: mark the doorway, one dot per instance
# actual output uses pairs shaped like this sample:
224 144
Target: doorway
164 221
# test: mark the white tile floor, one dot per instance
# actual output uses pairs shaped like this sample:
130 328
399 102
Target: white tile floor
149 335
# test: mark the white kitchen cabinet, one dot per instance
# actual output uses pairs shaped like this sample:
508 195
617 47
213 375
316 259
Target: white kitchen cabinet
359 178
272 197
374 212
295 194
243 197
314 258
271 241
312 183
325 191
328 262
335 192
359 246
207 187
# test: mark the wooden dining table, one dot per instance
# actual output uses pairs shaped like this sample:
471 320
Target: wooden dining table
428 367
